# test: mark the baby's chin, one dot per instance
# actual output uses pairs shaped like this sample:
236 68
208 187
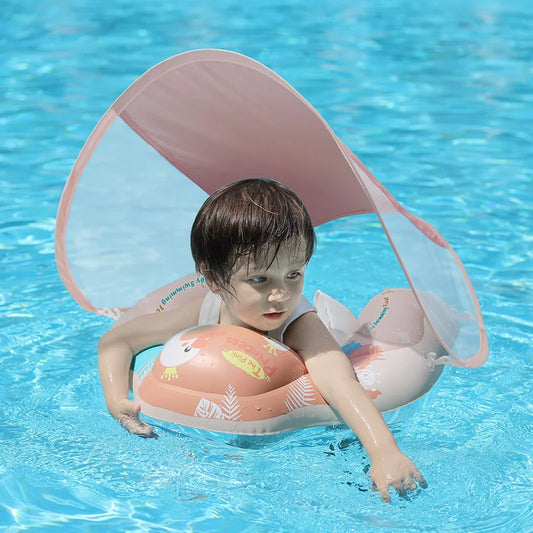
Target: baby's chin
264 325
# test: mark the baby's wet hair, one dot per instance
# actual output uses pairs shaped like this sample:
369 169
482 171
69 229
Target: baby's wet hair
247 218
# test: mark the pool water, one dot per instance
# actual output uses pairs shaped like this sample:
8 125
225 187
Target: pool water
437 102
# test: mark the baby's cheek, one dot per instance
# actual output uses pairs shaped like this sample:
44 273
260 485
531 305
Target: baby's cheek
297 292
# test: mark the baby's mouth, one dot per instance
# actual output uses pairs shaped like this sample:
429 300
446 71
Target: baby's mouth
273 316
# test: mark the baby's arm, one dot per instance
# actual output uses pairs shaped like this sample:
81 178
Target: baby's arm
118 347
334 377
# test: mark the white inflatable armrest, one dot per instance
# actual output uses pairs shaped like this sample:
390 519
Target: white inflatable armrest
340 321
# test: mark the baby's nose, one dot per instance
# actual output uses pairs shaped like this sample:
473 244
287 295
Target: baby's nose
278 295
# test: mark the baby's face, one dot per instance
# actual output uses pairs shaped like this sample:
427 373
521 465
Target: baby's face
265 292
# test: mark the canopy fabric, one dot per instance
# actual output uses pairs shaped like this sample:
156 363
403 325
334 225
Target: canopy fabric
200 120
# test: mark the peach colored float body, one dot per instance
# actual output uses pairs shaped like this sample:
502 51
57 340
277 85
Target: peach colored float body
234 380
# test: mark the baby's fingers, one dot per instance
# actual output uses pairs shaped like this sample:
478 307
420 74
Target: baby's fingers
129 418
420 478
383 491
410 484
134 425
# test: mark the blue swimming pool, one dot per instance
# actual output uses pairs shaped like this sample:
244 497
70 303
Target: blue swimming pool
436 101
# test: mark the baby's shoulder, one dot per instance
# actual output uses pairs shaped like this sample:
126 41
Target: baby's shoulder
300 332
183 317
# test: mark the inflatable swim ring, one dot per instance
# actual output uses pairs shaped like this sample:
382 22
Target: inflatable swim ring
233 380
196 122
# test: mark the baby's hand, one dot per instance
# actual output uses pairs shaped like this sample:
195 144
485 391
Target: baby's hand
127 413
395 470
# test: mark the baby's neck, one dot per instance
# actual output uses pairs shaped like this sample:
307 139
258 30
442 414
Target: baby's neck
225 319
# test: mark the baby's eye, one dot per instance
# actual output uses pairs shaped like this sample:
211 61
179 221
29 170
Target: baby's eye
258 279
294 275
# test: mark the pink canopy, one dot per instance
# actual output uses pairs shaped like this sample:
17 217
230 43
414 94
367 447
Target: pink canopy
196 122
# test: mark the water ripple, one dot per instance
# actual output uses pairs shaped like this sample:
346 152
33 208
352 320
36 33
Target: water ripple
436 103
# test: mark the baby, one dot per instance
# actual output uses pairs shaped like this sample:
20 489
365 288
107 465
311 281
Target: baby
252 240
